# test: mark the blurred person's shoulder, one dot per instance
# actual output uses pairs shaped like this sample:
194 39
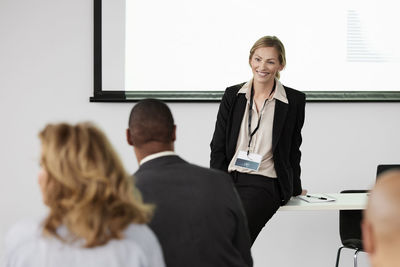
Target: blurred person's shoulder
23 232
21 241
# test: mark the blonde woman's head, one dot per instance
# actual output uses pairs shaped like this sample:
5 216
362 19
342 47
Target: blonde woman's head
270 41
85 185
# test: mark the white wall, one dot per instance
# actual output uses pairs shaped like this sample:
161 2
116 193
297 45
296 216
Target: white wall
46 75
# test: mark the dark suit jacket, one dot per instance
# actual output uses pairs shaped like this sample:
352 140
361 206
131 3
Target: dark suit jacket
286 136
198 219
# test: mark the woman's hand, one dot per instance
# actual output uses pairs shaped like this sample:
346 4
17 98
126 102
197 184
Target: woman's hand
303 192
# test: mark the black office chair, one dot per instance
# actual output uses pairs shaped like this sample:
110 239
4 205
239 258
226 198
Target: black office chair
350 229
385 167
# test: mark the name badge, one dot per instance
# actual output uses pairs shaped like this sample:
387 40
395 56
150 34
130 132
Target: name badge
251 161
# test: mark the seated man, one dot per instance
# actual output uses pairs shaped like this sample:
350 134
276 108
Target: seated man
198 218
381 224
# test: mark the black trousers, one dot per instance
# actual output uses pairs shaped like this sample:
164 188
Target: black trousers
260 197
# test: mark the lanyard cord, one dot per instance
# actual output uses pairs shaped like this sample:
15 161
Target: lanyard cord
251 113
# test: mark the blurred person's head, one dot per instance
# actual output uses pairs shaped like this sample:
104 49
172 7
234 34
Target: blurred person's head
381 223
85 185
151 128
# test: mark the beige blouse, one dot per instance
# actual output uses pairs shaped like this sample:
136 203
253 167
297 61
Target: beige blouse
262 140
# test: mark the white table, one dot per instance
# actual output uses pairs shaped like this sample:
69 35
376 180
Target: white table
348 201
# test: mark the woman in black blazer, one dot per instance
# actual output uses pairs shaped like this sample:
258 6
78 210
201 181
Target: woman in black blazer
257 136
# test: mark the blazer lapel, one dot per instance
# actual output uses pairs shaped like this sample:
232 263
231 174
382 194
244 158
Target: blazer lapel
279 120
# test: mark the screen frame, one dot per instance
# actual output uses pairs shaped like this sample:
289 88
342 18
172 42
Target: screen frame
100 95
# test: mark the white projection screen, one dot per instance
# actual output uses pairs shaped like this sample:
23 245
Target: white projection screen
186 50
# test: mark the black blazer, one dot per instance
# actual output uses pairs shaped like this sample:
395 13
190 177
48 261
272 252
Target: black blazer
286 136
198 217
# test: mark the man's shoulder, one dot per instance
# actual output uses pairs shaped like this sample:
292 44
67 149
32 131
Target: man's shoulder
200 171
160 163
178 168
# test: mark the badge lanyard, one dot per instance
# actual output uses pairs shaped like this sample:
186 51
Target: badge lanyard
251 113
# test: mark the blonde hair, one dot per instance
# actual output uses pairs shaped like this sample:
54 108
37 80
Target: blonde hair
270 41
87 189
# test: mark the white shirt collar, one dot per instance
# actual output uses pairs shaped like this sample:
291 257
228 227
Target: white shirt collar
157 155
279 92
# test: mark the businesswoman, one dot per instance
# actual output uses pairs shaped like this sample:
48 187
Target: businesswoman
96 217
257 135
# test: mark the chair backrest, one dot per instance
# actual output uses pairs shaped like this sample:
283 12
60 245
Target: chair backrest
350 224
385 167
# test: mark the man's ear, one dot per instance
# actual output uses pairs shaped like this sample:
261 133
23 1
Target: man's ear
368 237
174 134
129 137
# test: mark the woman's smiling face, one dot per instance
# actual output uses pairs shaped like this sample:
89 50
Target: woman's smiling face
265 64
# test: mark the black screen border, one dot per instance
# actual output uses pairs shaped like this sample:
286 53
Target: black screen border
100 95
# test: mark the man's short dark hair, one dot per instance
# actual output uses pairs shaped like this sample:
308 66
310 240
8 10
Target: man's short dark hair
151 120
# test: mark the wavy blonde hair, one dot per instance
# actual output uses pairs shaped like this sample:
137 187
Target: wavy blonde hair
87 187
